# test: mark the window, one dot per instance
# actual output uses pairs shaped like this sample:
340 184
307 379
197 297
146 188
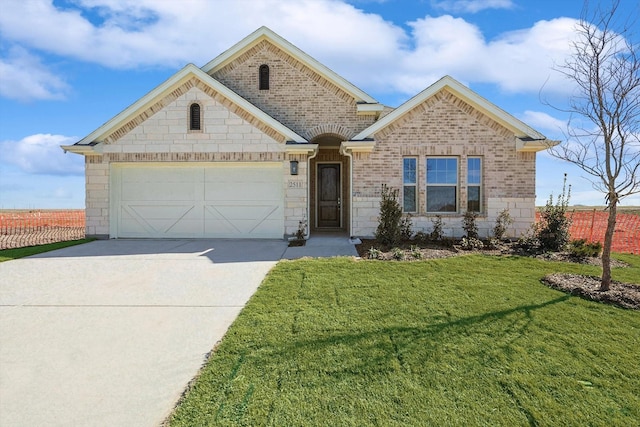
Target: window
442 184
474 184
264 77
409 181
194 116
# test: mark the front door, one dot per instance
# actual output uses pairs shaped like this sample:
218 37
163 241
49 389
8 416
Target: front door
328 195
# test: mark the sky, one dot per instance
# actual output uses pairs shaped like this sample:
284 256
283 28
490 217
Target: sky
68 66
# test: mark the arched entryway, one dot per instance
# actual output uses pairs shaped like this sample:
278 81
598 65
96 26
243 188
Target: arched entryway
329 186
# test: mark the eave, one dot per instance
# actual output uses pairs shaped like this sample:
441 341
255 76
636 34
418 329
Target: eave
534 146
300 148
349 147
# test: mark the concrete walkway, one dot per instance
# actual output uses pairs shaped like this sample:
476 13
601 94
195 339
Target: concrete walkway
109 333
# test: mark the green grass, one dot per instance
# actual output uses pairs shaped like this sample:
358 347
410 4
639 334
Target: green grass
10 254
466 341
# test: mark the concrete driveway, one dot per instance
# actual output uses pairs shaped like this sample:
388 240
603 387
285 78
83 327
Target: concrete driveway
109 333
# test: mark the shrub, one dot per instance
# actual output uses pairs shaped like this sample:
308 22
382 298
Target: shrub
528 243
421 237
406 227
553 229
471 243
415 252
469 224
302 229
374 253
397 253
437 234
503 221
492 243
581 249
388 231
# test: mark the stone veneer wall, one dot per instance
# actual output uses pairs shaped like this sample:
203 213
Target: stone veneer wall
446 126
164 137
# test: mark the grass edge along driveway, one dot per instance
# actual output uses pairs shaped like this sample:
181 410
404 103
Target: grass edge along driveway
471 340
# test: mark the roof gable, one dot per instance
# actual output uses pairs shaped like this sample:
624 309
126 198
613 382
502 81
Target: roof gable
149 104
264 33
531 139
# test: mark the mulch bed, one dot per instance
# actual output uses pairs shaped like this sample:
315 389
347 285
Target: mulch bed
620 294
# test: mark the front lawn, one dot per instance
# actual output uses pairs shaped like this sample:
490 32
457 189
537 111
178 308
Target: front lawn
464 341
11 254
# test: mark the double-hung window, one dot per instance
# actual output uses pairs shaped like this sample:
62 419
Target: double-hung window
409 184
442 184
474 184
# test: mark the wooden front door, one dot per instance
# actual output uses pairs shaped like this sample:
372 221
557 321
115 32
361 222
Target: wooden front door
328 195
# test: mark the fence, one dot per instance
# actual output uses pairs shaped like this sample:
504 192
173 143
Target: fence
591 226
37 227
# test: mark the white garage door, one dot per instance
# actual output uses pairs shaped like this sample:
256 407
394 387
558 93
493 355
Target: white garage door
200 200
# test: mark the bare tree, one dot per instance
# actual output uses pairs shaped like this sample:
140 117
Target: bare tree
605 111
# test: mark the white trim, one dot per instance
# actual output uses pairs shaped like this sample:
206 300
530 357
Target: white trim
369 109
520 129
264 33
426 185
307 149
357 146
534 146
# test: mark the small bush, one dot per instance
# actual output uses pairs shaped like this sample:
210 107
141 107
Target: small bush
415 252
503 221
553 229
421 237
388 231
437 233
469 224
471 243
397 254
528 243
302 229
492 243
581 249
406 227
374 253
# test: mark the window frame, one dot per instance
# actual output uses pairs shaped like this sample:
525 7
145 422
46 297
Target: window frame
264 76
474 184
413 184
456 186
191 115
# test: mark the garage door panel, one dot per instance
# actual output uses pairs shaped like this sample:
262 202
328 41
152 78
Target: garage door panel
199 201
158 220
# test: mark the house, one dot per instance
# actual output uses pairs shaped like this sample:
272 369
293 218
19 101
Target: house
264 136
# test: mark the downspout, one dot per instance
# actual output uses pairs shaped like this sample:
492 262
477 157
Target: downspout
306 236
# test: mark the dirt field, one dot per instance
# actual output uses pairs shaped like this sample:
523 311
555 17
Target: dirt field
20 228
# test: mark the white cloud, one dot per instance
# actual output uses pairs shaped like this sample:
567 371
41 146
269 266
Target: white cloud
471 6
41 154
545 123
519 61
24 77
374 54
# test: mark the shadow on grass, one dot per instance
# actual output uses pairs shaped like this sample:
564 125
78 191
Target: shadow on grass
401 339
